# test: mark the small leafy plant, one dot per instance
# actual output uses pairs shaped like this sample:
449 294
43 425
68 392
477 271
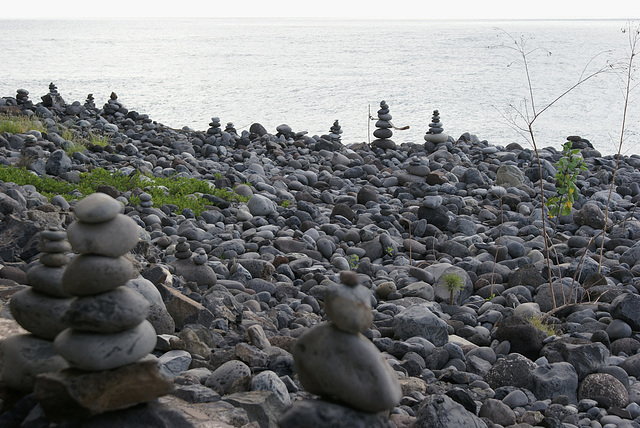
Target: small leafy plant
285 203
389 251
452 282
568 169
354 261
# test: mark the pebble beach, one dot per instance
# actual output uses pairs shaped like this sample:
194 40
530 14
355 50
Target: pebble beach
325 298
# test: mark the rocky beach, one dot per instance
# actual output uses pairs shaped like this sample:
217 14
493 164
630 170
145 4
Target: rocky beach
343 285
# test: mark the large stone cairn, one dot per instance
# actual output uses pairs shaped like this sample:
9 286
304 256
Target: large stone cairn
39 310
22 97
337 362
383 132
108 321
214 131
435 134
113 106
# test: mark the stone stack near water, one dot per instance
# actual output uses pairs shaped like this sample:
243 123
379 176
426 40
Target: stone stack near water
53 99
435 134
214 132
109 332
383 132
335 131
335 361
22 97
38 309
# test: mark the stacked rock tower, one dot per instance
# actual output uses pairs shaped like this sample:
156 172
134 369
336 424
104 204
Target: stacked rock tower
335 361
38 309
383 132
436 134
108 321
335 131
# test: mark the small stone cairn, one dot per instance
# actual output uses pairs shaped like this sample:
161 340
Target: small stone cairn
335 361
192 266
383 132
90 103
38 309
109 333
214 129
22 97
436 134
114 106
334 132
53 99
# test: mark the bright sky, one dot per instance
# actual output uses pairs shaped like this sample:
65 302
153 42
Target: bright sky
390 9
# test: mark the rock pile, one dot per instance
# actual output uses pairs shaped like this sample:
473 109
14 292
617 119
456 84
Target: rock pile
335 131
38 309
335 361
383 133
108 330
53 99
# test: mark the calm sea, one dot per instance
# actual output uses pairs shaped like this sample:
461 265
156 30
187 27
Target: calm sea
307 73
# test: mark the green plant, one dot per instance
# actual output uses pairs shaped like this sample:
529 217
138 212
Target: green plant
19 124
389 251
70 149
285 203
568 168
539 323
452 282
98 139
354 261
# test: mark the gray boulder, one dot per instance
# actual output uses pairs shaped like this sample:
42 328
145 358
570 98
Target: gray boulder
509 176
585 356
497 412
551 380
418 320
626 307
605 389
440 411
58 163
523 336
513 370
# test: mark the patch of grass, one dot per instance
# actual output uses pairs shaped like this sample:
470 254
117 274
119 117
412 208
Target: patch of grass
98 139
73 147
179 191
540 324
19 124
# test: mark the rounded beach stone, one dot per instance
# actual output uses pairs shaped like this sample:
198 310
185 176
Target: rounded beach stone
54 259
224 376
603 386
112 238
97 208
91 274
47 280
39 313
349 307
95 352
24 356
345 366
110 312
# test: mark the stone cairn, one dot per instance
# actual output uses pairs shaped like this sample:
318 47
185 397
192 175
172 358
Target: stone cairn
38 309
53 99
214 130
334 132
436 134
22 97
113 106
383 132
337 362
90 102
108 328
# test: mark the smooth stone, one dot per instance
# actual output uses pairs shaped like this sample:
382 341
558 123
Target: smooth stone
24 356
54 259
47 280
39 313
261 205
223 378
110 312
349 307
174 363
552 380
438 410
348 367
440 137
269 381
509 176
112 238
602 385
89 274
158 315
53 235
418 320
97 208
57 246
93 352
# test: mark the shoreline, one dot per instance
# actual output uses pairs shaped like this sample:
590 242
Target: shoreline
401 216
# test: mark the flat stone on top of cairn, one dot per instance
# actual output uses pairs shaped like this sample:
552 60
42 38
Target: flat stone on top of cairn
436 134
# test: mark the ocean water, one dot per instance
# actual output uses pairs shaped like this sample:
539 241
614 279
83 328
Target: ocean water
307 73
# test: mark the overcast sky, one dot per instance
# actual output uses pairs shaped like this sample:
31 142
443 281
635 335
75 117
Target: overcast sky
391 9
